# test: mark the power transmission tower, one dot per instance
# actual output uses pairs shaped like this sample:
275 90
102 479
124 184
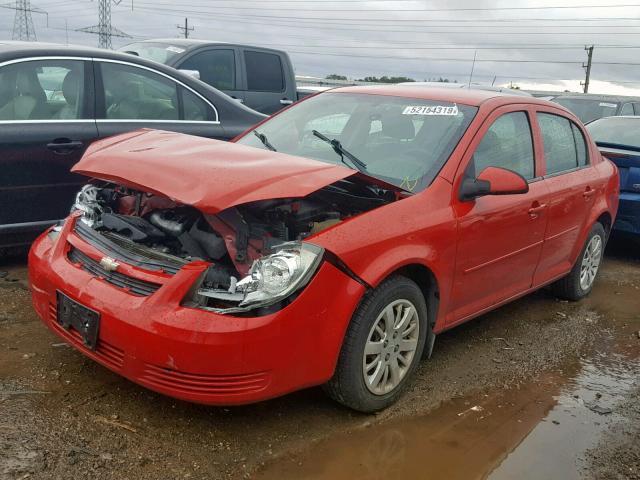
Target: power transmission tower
104 30
587 68
23 29
186 29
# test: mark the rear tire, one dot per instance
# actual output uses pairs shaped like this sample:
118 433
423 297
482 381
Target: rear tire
391 324
579 282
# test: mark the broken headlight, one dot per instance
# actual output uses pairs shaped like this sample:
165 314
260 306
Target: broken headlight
271 278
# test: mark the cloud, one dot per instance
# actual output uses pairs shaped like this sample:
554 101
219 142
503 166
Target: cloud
413 38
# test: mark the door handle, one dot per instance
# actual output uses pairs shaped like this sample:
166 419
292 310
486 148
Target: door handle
64 146
536 209
588 193
239 100
286 101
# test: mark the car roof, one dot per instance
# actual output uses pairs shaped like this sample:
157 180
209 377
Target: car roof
463 96
10 50
596 97
192 43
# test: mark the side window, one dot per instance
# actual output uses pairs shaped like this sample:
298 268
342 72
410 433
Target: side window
581 146
559 143
42 90
194 107
264 72
216 67
507 144
132 93
627 109
636 109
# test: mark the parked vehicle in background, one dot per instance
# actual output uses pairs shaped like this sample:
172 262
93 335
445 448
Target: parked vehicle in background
619 140
588 107
56 100
261 78
329 245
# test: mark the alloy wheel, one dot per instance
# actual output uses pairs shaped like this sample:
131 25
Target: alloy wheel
391 346
590 262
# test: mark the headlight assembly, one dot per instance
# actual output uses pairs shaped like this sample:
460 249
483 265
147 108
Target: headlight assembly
271 279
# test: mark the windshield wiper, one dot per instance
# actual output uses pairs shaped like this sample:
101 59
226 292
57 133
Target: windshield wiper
340 150
265 141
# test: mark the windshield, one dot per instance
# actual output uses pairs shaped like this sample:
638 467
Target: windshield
621 131
588 109
403 141
158 52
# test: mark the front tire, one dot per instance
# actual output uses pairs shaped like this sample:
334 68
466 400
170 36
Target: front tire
579 282
382 347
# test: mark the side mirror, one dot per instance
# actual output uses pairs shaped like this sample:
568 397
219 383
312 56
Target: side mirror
493 181
191 73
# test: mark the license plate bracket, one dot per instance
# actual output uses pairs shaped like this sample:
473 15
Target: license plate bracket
85 321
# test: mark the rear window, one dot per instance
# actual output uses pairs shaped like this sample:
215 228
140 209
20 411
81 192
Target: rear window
588 109
264 71
618 131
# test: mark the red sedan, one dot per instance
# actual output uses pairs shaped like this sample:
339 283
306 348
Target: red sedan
328 245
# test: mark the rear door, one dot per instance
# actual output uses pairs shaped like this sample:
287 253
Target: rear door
219 67
131 96
572 187
268 86
46 123
499 237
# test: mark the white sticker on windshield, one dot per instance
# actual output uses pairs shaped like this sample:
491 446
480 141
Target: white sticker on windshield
610 105
173 49
431 110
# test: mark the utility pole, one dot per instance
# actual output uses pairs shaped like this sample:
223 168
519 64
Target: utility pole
587 67
104 30
186 29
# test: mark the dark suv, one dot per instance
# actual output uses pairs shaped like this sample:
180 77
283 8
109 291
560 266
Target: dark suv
56 100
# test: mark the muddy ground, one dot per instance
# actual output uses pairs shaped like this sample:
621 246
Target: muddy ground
537 389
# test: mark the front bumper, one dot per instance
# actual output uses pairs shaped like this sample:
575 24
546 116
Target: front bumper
193 354
628 218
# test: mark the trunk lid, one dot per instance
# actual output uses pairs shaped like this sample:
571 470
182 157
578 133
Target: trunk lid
627 159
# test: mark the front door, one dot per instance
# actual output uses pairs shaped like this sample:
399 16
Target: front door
46 125
499 237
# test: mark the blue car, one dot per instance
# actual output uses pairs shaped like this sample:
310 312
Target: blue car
619 140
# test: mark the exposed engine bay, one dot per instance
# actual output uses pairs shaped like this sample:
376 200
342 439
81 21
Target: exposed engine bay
236 241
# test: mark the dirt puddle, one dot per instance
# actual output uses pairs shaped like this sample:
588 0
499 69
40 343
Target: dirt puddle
543 429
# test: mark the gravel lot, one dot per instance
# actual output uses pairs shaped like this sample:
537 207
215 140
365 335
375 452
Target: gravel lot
537 388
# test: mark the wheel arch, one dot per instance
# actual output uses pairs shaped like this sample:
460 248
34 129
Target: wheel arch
427 281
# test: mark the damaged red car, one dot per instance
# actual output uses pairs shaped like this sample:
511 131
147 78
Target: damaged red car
327 246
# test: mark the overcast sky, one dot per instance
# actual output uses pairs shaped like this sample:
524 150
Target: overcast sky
538 46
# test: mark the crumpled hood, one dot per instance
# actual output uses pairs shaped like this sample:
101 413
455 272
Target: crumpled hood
210 175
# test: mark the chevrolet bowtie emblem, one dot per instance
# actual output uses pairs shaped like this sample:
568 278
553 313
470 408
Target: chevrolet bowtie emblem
109 264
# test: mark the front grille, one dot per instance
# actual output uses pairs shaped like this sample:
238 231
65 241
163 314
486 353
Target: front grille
204 384
130 252
132 285
109 354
